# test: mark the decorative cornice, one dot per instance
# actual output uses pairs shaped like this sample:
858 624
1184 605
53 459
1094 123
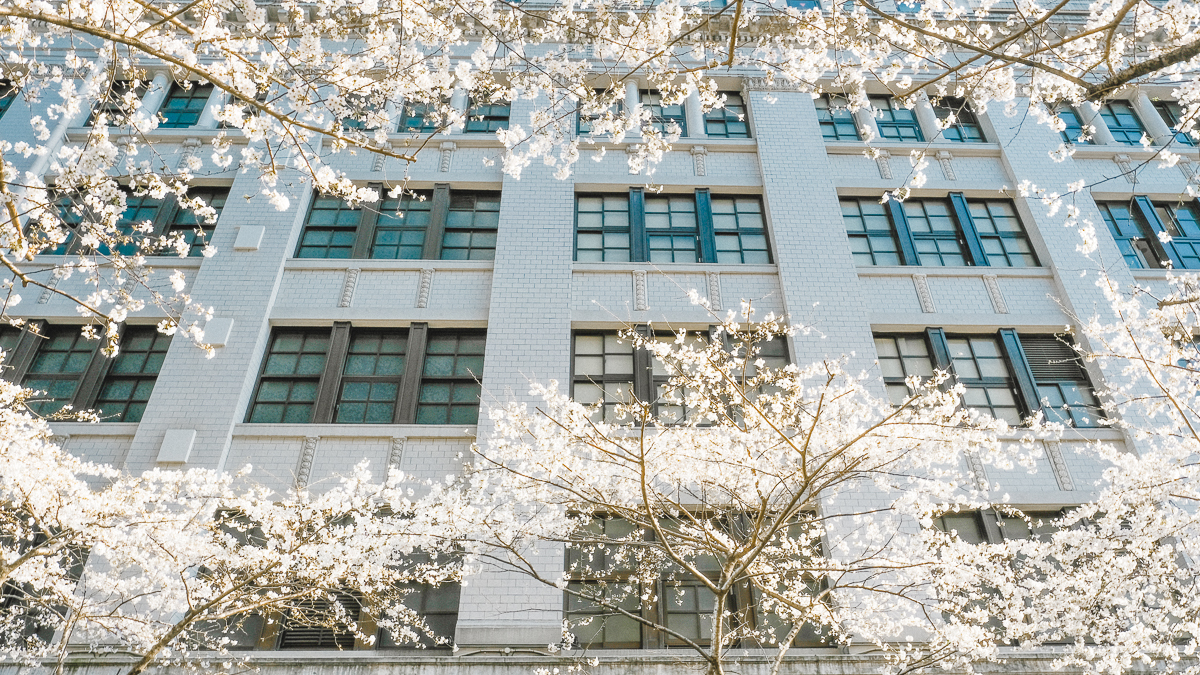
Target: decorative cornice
48 292
883 160
1125 162
765 84
975 466
396 454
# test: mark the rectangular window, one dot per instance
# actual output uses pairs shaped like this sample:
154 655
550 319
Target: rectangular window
663 117
364 114
184 104
804 4
991 527
69 368
421 225
8 94
131 375
729 121
487 117
584 122
350 375
1138 226
936 232
118 103
438 606
419 118
1074 131
1172 114
145 219
836 120
965 128
1006 375
670 228
1122 122
895 122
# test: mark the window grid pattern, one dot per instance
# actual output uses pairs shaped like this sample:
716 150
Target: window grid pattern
1172 114
196 232
672 229
291 374
584 122
1074 130
450 378
1182 222
419 118
901 357
182 107
935 234
965 128
836 121
729 121
61 359
371 377
602 228
113 105
979 365
331 229
131 375
739 231
603 373
872 237
297 635
487 117
895 122
1122 122
1004 240
603 581
400 229
438 607
661 116
1127 232
471 226
1063 387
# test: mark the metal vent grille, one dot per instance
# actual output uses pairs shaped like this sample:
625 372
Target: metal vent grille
298 634
1051 360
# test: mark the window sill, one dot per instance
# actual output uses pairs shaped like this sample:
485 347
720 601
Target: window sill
94 428
1153 275
674 268
151 260
930 148
909 270
465 432
1137 153
387 265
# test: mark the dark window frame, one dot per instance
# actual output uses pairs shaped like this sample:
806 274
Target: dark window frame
1026 374
583 122
1171 113
660 119
966 127
8 95
896 123
1073 132
1123 122
485 118
363 244
416 118
974 242
169 217
323 408
112 103
833 116
736 113
705 234
1146 217
91 381
189 115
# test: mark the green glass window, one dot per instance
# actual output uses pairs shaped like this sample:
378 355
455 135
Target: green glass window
602 228
1122 122
936 235
471 226
401 227
197 232
1004 240
672 229
450 378
1172 114
965 128
895 122
836 120
1074 130
487 117
729 121
419 118
980 366
872 237
739 231
291 374
8 94
901 357
184 104
131 375
662 117
61 359
371 377
603 372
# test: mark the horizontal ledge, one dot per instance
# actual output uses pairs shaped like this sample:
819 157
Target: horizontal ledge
155 262
980 272
667 269
372 264
95 428
247 429
914 322
930 149
381 316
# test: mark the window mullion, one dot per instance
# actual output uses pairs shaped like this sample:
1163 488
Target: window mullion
367 218
438 211
643 370
940 349
962 213
335 360
908 248
165 215
637 226
704 218
1022 373
654 612
991 525
410 386
1145 208
17 366
92 377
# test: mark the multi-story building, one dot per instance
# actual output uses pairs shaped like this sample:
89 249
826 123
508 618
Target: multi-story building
345 334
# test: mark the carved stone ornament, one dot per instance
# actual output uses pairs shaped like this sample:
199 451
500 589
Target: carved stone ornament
1188 168
946 160
1058 465
763 84
640 301
699 160
883 160
448 148
975 466
304 468
632 150
1126 164
714 289
994 294
396 454
921 283
60 440
48 292
423 289
189 149
348 287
